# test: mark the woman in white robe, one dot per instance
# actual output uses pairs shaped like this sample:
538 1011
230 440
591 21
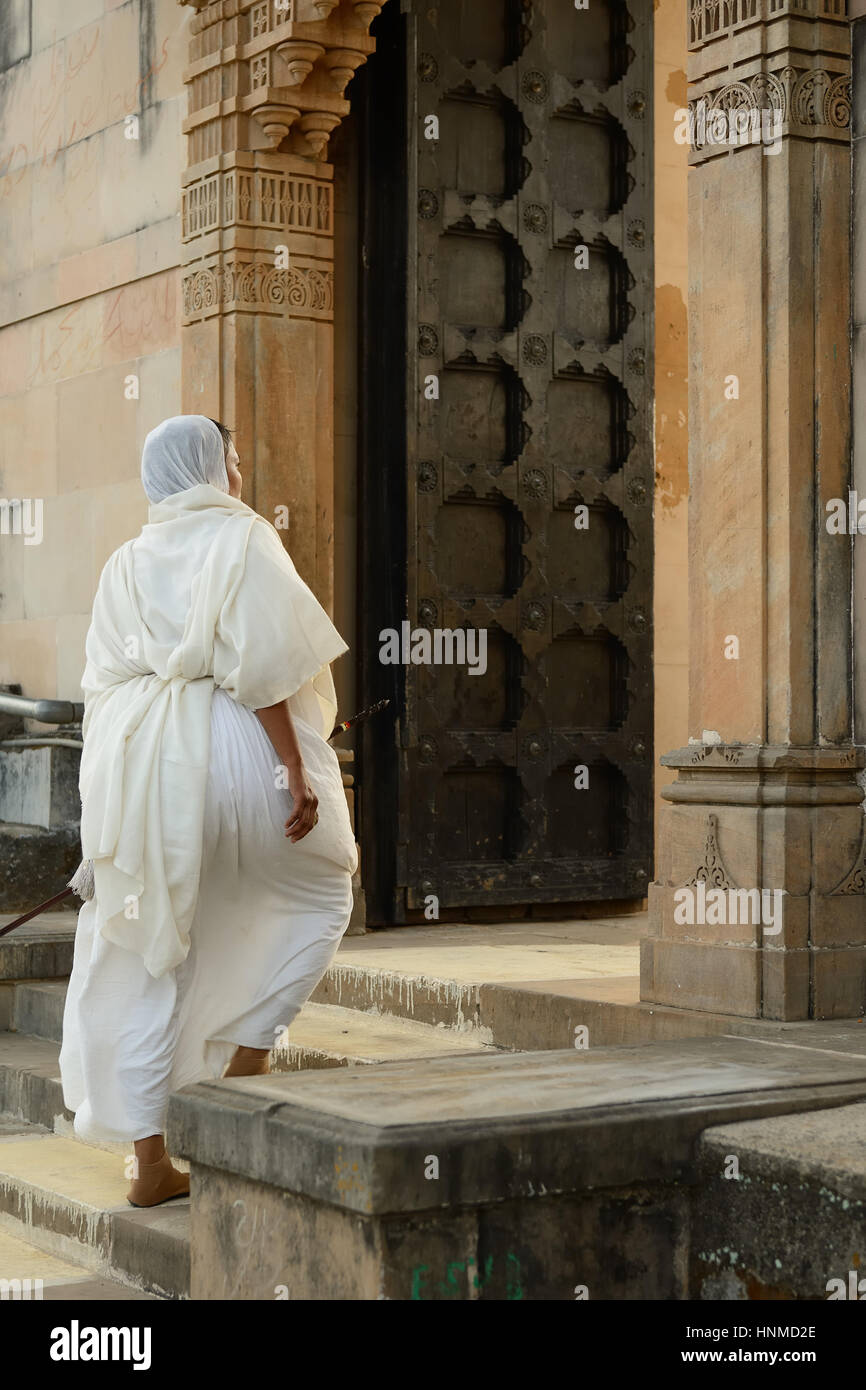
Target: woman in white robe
212 806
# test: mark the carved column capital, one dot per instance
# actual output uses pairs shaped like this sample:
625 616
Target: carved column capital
765 71
271 74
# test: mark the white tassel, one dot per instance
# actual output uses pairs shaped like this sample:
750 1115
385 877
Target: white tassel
82 881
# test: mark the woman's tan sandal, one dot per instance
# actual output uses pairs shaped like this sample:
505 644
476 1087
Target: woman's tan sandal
157 1182
248 1062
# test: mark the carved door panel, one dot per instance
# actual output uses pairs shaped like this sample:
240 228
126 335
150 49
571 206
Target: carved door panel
508 246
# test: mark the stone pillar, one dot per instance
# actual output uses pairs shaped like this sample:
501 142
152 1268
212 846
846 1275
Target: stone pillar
766 794
266 85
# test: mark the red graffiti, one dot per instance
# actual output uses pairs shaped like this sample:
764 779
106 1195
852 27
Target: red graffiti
46 100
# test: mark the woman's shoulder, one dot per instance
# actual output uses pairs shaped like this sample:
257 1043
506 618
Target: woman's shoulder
265 539
118 558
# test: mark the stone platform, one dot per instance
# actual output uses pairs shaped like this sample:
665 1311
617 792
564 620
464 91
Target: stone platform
528 1176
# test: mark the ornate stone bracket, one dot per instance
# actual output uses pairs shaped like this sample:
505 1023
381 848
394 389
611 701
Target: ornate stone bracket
272 74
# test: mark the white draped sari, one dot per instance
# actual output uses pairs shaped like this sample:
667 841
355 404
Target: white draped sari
209 928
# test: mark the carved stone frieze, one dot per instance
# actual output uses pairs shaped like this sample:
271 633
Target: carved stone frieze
782 66
710 20
299 292
810 102
282 200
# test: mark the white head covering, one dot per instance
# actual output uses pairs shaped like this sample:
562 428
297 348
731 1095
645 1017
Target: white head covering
181 453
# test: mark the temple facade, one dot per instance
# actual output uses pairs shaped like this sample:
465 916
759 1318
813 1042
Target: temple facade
468 282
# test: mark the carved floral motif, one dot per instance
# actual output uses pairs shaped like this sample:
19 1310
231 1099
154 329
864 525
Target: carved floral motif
812 100
300 289
854 882
730 752
712 868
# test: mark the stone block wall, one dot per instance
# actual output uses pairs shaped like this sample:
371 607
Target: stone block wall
91 157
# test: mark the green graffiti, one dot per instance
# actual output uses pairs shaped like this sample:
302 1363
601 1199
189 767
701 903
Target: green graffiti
513 1286
417 1279
453 1286
450 1288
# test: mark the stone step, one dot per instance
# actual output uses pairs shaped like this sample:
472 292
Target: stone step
534 986
68 1198
69 1201
520 1015
35 863
538 994
30 1088
324 1035
531 1015
37 1008
30 1274
537 989
794 1220
539 1013
453 1004
39 950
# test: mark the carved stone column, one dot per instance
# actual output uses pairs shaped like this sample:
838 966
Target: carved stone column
766 794
266 86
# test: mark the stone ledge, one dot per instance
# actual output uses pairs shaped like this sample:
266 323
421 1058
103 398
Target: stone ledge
826 1150
502 1127
41 949
791 1219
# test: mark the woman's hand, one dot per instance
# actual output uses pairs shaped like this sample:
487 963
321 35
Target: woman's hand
279 727
304 813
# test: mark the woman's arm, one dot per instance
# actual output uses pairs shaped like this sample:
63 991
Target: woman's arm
277 724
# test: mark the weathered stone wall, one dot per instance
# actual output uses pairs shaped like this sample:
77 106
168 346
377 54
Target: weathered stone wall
858 303
671 383
256 1243
89 312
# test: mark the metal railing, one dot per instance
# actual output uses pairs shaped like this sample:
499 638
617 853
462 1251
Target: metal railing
45 711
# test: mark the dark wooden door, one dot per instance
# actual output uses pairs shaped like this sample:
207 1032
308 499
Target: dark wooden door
507 469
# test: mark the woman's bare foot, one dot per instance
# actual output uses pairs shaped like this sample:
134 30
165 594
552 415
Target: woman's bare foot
248 1061
156 1179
